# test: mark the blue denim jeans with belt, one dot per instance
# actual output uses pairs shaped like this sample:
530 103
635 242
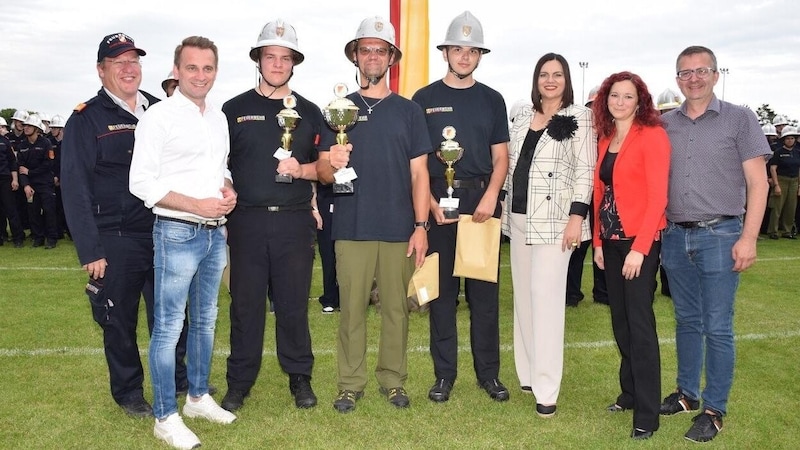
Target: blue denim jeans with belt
189 260
699 266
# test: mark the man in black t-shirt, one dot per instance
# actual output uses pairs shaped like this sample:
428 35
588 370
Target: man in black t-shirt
272 229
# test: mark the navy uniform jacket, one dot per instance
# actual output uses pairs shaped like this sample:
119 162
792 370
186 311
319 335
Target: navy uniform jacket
95 163
38 159
8 162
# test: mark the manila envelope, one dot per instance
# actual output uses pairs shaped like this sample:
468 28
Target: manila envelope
477 249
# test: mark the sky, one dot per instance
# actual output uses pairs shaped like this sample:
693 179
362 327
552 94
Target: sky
49 48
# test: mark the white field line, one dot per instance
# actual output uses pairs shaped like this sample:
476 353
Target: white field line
316 266
88 351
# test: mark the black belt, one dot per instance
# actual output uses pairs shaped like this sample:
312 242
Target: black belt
704 223
297 207
470 183
200 223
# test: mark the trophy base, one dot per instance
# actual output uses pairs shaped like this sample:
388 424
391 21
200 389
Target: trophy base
450 213
343 188
283 178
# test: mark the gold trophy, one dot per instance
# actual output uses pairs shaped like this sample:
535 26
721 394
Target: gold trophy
287 119
449 153
340 114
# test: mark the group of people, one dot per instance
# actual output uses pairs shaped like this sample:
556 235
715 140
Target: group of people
30 189
783 171
153 190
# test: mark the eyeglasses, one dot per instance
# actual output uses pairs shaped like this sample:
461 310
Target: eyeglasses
701 72
120 63
380 51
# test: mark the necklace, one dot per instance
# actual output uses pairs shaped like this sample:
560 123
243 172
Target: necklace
369 107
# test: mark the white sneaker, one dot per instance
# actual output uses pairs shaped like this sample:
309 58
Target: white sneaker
208 409
327 310
175 433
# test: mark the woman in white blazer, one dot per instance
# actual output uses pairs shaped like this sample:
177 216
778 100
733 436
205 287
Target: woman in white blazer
552 155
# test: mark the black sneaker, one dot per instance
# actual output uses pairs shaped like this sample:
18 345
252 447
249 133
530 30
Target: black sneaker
300 387
678 403
346 400
138 408
705 428
233 400
397 396
440 391
495 389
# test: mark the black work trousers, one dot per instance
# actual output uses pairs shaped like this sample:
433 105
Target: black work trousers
482 298
634 325
270 251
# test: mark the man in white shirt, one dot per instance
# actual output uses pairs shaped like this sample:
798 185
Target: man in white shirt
179 169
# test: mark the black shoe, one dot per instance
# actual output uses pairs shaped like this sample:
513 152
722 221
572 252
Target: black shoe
397 396
41 243
573 301
440 391
789 236
18 244
138 408
346 400
182 392
233 400
545 411
50 245
774 236
615 408
678 403
495 389
705 428
526 390
640 435
300 387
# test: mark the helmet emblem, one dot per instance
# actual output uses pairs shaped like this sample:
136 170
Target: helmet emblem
378 26
279 31
466 30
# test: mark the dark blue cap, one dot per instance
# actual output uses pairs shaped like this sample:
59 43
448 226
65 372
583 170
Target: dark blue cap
116 44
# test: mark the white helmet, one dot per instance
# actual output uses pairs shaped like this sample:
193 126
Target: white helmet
281 34
592 95
20 115
3 122
44 117
780 120
166 81
373 27
668 99
464 31
35 121
517 107
58 121
789 131
769 130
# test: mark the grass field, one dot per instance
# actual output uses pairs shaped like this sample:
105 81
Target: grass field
54 387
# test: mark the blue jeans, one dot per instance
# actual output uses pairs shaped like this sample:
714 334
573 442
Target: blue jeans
189 261
699 266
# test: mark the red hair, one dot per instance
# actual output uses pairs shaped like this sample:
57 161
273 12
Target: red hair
646 114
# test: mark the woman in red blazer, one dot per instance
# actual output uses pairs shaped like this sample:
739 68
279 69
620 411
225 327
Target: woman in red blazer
630 198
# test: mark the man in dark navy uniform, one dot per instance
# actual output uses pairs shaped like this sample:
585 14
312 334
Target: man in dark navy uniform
272 229
9 183
35 159
111 228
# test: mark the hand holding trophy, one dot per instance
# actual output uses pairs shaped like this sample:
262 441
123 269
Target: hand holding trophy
340 114
449 153
287 119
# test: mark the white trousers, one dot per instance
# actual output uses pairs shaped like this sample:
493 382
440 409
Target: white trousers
539 277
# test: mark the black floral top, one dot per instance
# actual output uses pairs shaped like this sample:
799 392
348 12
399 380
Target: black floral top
610 225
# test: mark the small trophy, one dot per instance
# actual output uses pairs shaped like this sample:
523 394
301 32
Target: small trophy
340 114
287 119
449 152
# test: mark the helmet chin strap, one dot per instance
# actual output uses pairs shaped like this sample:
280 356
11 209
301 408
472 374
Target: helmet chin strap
273 86
370 80
458 75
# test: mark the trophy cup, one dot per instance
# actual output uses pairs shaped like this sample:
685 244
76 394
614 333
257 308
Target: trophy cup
340 114
449 152
287 119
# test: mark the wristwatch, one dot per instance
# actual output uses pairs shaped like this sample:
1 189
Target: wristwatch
426 225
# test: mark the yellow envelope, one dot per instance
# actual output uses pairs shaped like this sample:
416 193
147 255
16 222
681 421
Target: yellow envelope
424 284
477 249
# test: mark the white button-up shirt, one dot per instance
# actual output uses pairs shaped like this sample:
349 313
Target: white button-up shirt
182 150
